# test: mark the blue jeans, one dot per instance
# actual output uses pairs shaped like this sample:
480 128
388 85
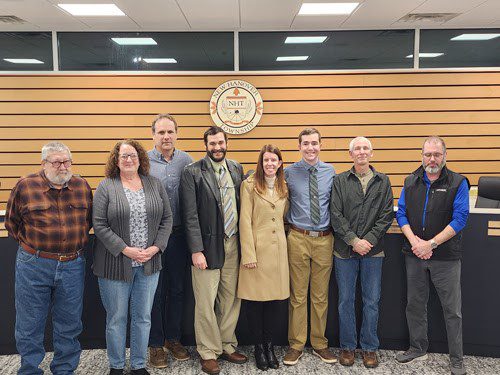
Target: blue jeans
116 297
38 283
166 321
370 270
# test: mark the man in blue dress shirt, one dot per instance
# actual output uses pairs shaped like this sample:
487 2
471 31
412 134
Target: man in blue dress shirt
310 248
167 164
432 211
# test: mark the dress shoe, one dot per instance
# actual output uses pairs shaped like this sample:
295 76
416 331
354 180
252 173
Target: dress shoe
370 359
157 357
272 361
178 351
209 366
260 358
234 357
115 371
140 371
346 357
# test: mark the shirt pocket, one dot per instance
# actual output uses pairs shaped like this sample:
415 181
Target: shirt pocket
38 214
78 213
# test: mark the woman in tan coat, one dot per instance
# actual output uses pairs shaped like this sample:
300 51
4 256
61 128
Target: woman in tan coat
263 279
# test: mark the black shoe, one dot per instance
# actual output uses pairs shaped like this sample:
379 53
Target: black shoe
272 361
115 371
140 371
260 358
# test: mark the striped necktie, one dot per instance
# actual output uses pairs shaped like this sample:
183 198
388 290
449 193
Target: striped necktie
227 203
313 195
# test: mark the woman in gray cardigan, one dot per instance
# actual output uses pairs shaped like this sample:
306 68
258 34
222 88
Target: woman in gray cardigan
132 222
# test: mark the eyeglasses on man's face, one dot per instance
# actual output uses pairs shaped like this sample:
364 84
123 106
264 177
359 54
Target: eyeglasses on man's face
436 155
124 157
57 164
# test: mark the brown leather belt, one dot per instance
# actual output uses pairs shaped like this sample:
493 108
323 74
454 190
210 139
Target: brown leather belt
61 257
312 233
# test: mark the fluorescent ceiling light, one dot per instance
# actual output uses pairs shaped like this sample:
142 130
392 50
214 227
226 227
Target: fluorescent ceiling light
304 39
160 60
427 54
24 61
476 37
92 9
322 9
292 58
135 41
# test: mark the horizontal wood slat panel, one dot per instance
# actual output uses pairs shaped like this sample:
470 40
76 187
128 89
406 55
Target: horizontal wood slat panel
249 156
144 132
310 119
241 143
283 94
416 105
260 81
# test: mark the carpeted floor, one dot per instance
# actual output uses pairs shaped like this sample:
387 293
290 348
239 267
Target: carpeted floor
95 362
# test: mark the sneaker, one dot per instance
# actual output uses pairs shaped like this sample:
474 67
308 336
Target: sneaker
370 359
458 369
178 351
410 356
157 357
292 356
346 357
325 355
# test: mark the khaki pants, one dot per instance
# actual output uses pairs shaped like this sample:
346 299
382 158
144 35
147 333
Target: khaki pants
310 260
217 308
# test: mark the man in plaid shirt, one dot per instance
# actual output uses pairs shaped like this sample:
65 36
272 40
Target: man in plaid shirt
49 214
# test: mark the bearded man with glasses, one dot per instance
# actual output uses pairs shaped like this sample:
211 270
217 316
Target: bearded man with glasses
49 214
432 212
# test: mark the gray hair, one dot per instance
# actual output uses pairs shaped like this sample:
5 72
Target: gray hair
357 139
52 147
434 139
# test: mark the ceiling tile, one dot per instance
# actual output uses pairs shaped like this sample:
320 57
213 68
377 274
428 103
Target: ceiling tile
268 15
211 15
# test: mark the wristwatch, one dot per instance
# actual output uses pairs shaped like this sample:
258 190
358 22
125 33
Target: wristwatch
434 245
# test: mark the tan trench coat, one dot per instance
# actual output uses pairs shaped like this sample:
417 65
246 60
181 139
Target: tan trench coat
262 237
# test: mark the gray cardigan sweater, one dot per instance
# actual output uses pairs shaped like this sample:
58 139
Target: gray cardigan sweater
111 220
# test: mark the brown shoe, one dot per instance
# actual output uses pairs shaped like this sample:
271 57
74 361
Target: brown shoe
234 357
157 358
292 356
178 351
210 366
346 357
370 359
325 355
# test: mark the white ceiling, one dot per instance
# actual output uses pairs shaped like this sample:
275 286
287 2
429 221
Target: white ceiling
245 15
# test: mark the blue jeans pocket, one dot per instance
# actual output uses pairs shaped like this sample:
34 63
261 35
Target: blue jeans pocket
24 257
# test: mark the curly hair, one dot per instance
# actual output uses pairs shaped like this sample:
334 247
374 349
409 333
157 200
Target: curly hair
112 169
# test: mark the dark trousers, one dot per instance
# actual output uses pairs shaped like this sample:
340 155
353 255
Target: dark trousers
263 318
445 275
166 315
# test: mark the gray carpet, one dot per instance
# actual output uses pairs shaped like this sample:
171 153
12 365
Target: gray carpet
95 362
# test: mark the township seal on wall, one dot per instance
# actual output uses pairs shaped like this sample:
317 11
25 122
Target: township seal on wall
236 106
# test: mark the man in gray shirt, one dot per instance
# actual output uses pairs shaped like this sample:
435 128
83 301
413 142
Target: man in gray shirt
167 163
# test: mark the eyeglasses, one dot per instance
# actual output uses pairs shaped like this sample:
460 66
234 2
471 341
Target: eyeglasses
437 155
57 164
124 157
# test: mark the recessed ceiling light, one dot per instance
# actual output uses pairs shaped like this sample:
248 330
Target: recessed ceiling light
135 41
426 54
304 39
292 58
321 9
92 9
160 60
476 37
24 61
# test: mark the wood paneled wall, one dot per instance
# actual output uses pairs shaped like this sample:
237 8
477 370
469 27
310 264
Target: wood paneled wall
395 110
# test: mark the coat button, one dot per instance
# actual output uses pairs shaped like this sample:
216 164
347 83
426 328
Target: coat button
274 231
273 219
273 206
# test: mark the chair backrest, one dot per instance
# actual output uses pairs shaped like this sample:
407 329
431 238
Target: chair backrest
488 192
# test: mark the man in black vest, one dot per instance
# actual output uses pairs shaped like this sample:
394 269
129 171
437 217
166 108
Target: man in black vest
432 211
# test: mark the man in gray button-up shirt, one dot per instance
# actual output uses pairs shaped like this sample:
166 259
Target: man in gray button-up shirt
167 163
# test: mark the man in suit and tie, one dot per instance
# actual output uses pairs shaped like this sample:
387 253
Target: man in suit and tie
210 192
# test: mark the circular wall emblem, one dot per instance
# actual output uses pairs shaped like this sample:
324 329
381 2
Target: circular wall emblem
236 106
